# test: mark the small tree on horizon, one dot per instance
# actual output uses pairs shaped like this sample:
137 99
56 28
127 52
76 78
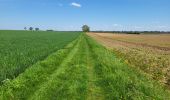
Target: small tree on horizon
86 28
37 29
25 28
31 28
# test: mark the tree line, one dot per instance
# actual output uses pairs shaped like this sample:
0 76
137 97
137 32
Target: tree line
31 28
85 28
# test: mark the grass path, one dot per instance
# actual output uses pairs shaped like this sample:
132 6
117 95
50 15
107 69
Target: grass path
41 92
84 70
84 66
94 92
46 92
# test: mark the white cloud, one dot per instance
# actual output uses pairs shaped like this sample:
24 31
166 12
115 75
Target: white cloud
75 4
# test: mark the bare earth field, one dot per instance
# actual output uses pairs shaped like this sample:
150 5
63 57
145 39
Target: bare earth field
150 53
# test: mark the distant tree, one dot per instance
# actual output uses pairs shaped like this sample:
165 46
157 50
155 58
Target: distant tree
132 32
25 28
31 28
49 30
37 29
85 28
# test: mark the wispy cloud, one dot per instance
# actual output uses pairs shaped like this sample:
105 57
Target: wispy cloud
76 4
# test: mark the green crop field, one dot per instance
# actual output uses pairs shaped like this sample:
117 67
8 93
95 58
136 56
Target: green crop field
69 66
21 49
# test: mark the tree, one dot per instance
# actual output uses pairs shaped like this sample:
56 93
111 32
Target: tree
37 29
85 28
31 28
50 30
25 28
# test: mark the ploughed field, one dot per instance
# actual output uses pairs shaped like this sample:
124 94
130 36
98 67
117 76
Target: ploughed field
81 69
147 52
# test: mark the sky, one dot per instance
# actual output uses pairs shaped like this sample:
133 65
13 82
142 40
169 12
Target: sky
70 15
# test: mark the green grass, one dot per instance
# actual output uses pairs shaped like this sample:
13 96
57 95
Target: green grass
83 70
21 49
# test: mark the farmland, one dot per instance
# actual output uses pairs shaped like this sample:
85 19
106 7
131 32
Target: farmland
21 49
150 53
81 69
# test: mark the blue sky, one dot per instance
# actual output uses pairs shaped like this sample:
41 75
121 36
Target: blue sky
66 15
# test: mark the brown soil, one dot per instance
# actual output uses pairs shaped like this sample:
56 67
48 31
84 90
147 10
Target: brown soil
133 41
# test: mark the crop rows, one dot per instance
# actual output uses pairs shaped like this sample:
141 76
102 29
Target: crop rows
21 49
83 70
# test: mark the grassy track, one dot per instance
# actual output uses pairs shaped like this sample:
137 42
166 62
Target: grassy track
84 70
66 81
94 92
